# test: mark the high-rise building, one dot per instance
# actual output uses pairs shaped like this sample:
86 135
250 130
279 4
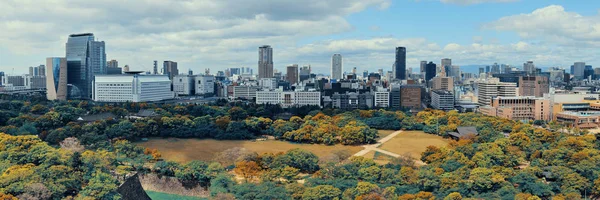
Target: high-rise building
481 70
535 86
336 66
170 69
442 100
112 64
204 84
292 74
491 88
155 69
400 63
529 67
579 70
56 78
265 62
446 64
430 71
506 68
41 70
32 71
304 73
455 72
85 59
410 96
588 72
423 68
487 69
495 68
442 83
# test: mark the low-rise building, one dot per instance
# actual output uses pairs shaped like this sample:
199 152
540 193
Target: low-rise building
519 108
183 85
442 100
244 92
382 99
352 100
131 88
581 119
289 98
204 84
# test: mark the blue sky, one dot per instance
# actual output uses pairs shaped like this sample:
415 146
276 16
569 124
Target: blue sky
202 34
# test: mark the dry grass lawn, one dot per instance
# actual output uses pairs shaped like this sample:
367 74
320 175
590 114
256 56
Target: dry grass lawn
383 133
185 150
413 142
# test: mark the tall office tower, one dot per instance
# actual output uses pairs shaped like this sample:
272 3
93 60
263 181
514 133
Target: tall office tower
126 68
487 69
446 71
380 71
155 70
265 62
455 71
495 68
56 79
588 72
112 64
423 68
529 67
292 74
506 68
446 64
579 70
31 71
337 66
85 59
304 73
533 86
400 64
365 74
430 71
170 69
481 70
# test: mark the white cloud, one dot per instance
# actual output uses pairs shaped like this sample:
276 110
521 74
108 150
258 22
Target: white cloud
470 2
553 25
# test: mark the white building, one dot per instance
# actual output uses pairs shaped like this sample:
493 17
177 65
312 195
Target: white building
131 88
268 83
204 84
244 92
382 99
442 100
183 85
289 98
488 89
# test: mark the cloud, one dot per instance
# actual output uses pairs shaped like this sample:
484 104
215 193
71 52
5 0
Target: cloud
553 25
470 2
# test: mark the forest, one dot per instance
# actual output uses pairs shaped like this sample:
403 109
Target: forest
46 153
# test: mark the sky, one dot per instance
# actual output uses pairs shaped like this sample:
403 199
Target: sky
220 34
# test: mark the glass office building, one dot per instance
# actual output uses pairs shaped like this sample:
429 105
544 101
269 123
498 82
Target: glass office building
85 58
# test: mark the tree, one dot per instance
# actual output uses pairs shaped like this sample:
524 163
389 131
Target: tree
300 159
101 186
453 196
247 169
322 192
237 113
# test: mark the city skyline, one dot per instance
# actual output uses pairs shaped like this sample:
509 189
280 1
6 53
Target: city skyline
351 28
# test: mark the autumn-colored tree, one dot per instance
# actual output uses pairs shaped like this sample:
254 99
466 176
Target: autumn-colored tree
247 169
453 196
222 122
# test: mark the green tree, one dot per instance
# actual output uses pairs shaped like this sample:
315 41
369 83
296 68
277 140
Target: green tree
101 186
322 192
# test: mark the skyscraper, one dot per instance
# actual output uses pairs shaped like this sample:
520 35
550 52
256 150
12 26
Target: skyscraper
41 70
455 71
481 70
155 70
265 62
423 68
292 74
495 68
529 67
112 64
336 66
579 70
170 69
400 64
446 66
85 58
430 71
56 79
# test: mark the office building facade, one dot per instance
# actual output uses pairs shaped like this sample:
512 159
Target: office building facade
442 100
205 84
400 63
488 89
410 96
85 59
289 98
337 67
265 62
56 79
535 86
292 74
184 85
170 69
131 88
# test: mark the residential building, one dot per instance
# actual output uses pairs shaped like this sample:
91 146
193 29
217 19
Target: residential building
442 100
292 74
56 79
85 59
488 89
131 88
204 84
336 66
184 85
382 99
170 69
535 86
400 63
410 96
519 108
265 62
289 98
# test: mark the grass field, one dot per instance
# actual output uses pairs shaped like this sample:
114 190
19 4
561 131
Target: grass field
413 142
185 150
165 196
383 133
